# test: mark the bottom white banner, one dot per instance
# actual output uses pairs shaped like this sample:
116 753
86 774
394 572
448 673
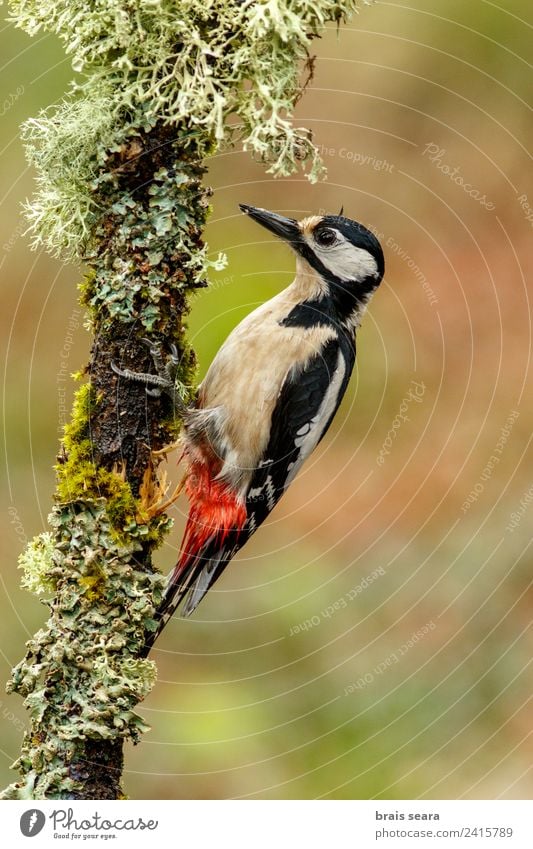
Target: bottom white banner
264 824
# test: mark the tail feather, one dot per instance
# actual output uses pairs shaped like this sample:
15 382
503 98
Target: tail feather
206 578
179 584
212 536
186 576
190 584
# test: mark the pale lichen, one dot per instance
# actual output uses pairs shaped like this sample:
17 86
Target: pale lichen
37 563
176 62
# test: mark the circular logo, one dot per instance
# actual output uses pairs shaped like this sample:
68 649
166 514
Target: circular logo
32 822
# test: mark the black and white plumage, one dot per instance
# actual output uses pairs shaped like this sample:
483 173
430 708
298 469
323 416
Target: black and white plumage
270 395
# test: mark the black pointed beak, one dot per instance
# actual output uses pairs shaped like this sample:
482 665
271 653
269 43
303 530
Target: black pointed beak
284 228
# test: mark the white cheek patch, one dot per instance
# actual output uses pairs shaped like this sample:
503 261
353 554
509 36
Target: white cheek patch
344 260
347 262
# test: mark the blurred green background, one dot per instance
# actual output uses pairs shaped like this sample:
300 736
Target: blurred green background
415 681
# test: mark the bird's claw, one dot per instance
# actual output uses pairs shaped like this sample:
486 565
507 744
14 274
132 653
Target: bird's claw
164 380
174 356
116 369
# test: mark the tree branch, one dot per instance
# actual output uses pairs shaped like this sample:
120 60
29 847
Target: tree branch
119 175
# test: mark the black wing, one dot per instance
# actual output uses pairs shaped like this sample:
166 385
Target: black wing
305 409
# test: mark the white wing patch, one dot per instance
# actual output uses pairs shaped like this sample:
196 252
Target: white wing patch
267 491
303 432
315 427
270 493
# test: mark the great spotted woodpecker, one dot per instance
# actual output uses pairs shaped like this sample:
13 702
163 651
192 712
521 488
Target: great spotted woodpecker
268 397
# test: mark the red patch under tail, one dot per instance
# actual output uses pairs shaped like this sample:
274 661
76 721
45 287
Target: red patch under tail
215 510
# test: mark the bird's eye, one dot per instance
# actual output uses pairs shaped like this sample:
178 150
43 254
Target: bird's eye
325 238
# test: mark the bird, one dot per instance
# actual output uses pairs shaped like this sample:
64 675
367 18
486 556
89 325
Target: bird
268 397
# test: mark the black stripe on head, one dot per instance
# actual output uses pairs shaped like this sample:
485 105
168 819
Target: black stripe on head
345 295
358 235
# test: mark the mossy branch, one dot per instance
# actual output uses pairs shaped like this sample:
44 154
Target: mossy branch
119 168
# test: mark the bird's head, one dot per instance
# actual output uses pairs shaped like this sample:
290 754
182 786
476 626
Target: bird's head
345 255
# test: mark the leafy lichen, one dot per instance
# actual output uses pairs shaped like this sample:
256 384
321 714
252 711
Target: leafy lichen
81 676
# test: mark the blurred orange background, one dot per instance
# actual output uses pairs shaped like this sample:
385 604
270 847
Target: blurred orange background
372 639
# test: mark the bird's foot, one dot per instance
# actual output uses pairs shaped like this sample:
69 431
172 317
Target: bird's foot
166 449
162 382
167 369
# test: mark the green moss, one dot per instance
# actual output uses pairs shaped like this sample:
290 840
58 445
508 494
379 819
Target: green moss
93 583
80 480
76 473
77 430
86 287
121 506
78 477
